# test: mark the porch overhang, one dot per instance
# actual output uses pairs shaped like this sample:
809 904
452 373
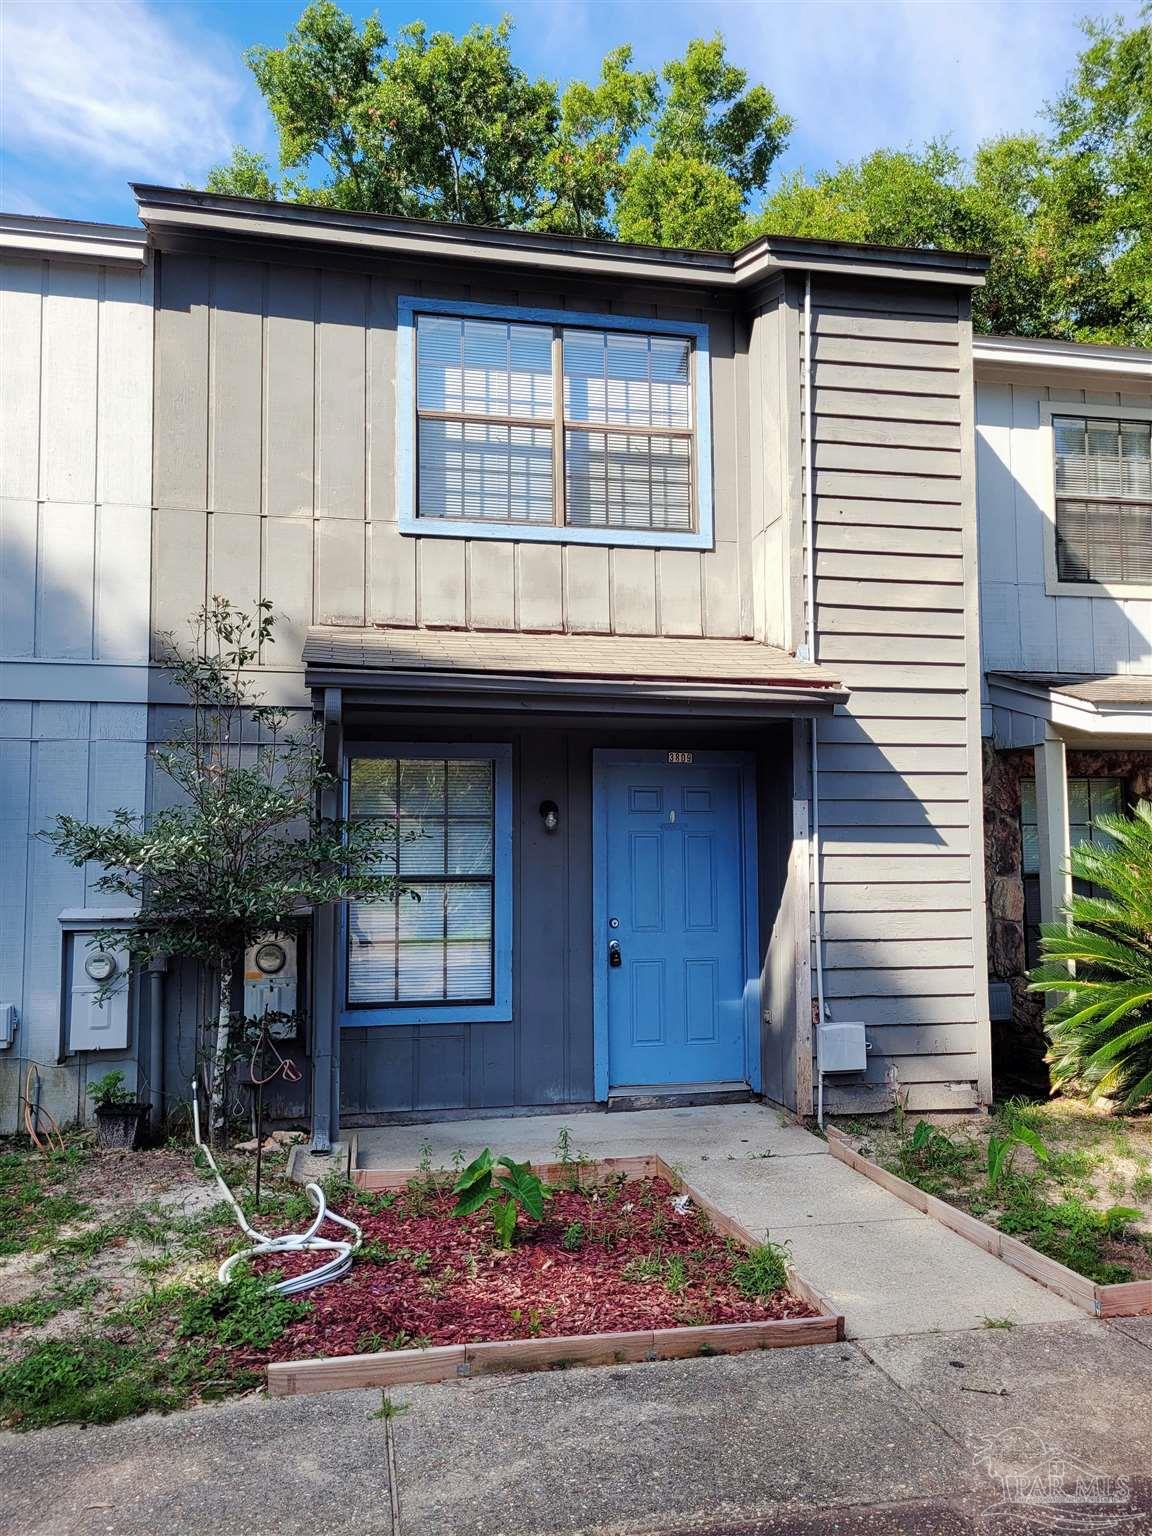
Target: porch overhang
567 674
1094 709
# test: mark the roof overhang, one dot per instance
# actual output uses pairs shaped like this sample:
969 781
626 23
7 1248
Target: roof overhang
1090 707
71 240
567 674
990 354
176 215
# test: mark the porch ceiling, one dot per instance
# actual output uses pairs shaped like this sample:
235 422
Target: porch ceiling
726 675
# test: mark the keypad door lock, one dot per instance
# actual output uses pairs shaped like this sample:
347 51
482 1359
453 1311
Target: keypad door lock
615 958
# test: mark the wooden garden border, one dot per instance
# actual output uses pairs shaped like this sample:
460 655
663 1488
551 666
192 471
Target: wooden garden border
339 1373
1131 1299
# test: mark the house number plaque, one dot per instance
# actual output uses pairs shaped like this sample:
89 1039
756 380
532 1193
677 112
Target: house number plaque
680 757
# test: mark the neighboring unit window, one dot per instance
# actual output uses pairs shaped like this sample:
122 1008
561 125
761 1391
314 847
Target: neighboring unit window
1103 500
1087 799
553 425
437 943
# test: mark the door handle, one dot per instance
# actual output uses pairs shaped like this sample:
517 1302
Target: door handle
615 958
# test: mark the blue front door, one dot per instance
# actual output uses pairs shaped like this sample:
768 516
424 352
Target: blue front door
672 908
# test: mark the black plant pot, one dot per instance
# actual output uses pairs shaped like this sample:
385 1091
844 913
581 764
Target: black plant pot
121 1125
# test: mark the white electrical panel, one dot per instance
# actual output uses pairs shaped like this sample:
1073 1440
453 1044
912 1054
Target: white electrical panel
97 999
270 982
843 1048
8 1018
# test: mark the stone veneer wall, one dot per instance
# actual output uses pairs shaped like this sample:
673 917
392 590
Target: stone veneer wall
1018 1047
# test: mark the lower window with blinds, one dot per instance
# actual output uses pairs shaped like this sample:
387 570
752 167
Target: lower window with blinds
440 951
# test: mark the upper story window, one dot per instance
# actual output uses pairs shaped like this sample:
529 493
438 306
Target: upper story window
1103 499
552 425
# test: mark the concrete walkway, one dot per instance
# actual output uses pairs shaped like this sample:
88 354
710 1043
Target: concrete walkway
890 1270
929 1435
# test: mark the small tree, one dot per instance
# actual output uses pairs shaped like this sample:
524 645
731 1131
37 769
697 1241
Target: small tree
244 848
1100 962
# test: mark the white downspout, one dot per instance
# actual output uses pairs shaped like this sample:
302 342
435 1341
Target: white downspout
810 572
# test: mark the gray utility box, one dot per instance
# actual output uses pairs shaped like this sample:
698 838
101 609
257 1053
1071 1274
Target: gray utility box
843 1048
96 990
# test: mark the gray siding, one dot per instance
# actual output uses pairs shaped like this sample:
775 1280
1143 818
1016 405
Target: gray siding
78 759
1024 627
75 494
274 469
896 615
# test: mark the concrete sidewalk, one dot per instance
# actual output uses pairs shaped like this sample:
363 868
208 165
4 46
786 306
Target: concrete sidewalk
888 1268
930 1434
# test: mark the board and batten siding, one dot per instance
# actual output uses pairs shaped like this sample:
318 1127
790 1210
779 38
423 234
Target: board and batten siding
1024 627
275 468
75 509
900 792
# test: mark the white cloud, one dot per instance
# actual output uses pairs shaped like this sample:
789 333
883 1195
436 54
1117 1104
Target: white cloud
854 74
115 88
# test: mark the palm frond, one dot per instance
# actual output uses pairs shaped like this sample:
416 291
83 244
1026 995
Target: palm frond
1098 965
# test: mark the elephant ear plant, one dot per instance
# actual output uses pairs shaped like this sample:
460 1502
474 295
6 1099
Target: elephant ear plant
507 1188
1099 964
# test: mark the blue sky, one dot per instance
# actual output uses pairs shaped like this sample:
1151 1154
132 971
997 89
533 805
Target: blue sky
95 93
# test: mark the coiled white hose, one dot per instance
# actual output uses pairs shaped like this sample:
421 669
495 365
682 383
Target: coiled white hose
334 1268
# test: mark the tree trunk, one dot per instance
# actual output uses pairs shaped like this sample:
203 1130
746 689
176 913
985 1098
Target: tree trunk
216 1109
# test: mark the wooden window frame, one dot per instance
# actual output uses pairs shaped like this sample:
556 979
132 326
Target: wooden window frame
1054 584
698 432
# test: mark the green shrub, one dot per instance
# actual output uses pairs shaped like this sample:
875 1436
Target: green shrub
108 1091
1100 964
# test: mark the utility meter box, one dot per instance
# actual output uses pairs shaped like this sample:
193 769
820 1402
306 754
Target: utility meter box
96 1001
271 983
843 1048
96 987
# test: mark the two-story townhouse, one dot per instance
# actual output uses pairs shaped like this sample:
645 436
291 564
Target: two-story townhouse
75 548
677 723
1064 490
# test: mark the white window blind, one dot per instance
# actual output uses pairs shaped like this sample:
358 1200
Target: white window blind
1103 499
498 431
436 943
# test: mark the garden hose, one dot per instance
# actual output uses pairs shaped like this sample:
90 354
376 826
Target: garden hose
342 1250
37 1119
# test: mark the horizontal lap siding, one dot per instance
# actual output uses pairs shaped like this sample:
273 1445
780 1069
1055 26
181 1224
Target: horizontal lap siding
899 804
275 470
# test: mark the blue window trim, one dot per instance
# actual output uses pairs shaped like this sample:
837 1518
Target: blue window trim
500 1009
408 307
745 763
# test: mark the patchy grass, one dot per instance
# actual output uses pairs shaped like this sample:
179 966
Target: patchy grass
108 1262
1072 1182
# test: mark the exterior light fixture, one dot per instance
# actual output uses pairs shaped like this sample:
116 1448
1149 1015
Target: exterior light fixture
549 815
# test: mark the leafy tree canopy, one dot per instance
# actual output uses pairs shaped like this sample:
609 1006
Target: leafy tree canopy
1066 215
435 126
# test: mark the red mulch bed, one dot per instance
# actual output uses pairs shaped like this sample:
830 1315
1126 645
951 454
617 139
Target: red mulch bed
440 1279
